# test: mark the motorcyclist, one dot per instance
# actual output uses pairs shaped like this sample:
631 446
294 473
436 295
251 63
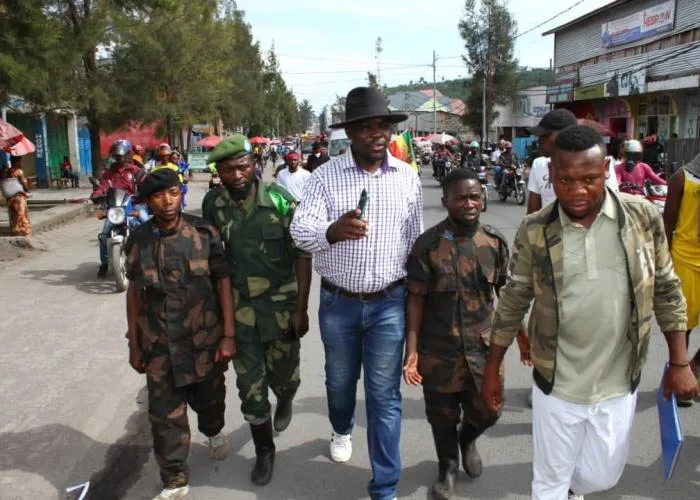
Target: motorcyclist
137 156
164 155
473 158
122 174
506 159
632 174
441 156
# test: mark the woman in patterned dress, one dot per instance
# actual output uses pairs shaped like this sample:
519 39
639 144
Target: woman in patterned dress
17 204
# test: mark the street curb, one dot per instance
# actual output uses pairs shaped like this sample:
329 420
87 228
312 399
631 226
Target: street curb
52 217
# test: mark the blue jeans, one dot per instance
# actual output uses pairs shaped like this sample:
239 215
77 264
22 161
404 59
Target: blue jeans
497 175
367 335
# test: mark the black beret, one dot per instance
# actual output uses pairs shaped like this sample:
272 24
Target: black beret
158 180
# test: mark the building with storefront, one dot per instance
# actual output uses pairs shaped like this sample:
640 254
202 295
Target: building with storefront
56 135
633 66
525 111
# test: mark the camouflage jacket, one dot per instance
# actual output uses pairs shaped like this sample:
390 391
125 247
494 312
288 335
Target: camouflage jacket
262 255
180 321
537 270
458 274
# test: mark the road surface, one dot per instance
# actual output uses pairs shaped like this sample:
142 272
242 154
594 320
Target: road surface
73 411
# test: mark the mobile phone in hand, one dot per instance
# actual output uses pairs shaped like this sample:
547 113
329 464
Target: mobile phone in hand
362 204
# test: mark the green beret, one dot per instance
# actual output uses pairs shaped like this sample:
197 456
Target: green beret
234 146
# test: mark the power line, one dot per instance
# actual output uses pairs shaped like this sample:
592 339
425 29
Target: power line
550 19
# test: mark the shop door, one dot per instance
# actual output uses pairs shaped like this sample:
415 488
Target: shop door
85 151
57 132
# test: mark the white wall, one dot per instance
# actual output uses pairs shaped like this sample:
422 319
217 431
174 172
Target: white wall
526 109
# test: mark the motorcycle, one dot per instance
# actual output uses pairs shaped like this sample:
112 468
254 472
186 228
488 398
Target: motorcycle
214 181
481 173
655 193
118 209
512 184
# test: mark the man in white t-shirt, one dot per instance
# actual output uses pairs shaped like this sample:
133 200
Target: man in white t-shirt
292 177
540 188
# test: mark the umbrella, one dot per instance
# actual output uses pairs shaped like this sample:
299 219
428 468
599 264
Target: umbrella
12 140
259 140
22 147
441 138
209 142
598 127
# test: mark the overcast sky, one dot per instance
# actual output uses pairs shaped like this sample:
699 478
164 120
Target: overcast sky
326 47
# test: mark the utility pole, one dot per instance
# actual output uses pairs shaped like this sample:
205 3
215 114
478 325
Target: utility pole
483 114
434 95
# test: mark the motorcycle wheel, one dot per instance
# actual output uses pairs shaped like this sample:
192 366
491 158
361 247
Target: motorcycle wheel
118 261
484 199
520 194
503 194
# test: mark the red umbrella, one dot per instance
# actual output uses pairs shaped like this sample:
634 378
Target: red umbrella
209 142
598 127
12 140
259 140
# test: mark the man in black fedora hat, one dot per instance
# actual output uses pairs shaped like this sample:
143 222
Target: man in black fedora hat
360 216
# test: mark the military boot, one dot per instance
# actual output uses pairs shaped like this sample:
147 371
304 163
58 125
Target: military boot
283 414
446 446
264 453
471 460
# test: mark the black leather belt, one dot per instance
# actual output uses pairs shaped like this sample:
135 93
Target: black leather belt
366 297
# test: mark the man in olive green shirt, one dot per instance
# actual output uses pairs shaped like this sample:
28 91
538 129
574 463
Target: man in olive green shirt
271 281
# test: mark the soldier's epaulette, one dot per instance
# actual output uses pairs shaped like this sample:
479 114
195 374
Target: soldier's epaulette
488 229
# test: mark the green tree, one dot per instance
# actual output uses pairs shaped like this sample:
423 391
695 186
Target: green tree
306 115
338 109
488 31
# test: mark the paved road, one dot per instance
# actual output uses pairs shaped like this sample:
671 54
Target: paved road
73 411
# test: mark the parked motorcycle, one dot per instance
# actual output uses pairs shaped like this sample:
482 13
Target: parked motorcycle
118 209
512 184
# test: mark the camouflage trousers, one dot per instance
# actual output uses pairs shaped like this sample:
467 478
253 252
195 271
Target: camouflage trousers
444 409
261 366
167 412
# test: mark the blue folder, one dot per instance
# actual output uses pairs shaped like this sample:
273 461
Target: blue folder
671 431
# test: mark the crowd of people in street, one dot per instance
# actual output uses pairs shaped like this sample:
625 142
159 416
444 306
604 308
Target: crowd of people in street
398 301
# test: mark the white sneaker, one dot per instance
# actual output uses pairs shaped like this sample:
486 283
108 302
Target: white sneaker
173 493
218 446
341 447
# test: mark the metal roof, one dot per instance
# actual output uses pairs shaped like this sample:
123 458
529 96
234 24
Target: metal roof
593 13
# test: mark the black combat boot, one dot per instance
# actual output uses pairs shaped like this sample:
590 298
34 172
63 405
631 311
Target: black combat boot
264 453
283 414
448 461
471 460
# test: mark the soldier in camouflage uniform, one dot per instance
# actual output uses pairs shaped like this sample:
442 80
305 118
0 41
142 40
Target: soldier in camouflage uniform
181 326
454 269
271 280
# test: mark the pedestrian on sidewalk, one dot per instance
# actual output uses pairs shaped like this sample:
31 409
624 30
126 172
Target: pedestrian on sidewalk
15 191
180 313
271 281
682 220
361 257
596 268
454 270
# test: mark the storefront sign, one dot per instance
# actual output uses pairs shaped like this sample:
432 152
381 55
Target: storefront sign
563 91
648 22
684 82
590 92
197 161
627 83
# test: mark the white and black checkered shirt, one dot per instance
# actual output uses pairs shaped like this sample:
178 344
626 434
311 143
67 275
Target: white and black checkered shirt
394 215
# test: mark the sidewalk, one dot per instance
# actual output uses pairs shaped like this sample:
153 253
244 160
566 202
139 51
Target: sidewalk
49 208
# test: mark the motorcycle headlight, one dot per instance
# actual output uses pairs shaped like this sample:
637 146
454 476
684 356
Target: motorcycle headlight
519 171
116 215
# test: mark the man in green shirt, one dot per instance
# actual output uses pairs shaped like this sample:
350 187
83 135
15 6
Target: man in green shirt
270 280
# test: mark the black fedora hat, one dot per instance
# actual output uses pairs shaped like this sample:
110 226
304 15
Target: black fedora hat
363 103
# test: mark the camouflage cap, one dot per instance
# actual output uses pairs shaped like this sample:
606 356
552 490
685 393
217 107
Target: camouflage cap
234 146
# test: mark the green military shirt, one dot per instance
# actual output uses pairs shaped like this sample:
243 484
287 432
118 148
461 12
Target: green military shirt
458 274
180 323
261 252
